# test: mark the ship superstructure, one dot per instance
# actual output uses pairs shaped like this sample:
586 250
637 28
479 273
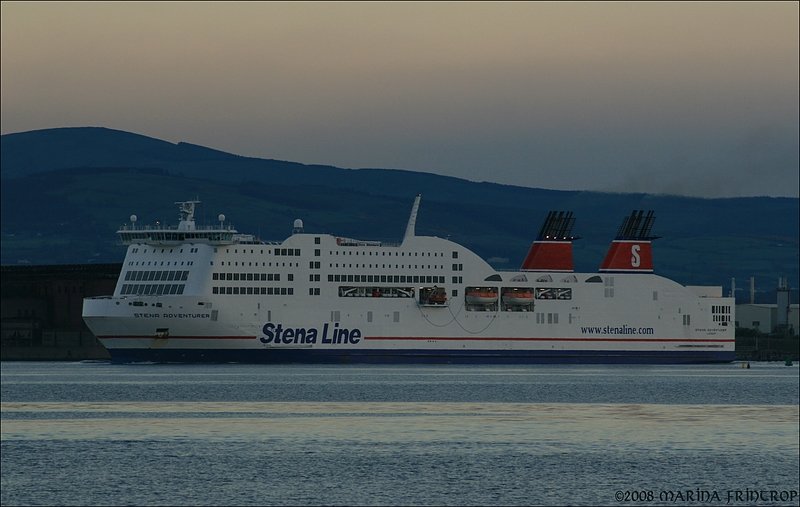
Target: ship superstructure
211 294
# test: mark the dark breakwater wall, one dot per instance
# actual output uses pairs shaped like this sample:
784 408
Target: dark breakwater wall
40 310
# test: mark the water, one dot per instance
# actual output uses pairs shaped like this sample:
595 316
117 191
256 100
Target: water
100 434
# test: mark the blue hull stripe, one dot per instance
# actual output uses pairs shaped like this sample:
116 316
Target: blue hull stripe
378 356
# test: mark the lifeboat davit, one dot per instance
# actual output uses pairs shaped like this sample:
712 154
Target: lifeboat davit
481 297
518 297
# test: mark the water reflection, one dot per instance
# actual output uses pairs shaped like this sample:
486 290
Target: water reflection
541 425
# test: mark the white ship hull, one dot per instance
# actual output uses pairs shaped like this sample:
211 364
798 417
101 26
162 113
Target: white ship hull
318 298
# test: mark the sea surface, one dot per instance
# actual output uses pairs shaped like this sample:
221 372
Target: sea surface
93 433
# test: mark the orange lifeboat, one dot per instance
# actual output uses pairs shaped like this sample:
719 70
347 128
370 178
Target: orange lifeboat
480 296
517 297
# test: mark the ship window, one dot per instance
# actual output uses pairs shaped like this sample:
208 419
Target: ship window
215 290
455 255
493 278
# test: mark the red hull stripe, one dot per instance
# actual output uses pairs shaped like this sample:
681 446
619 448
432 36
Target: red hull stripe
645 340
181 337
447 338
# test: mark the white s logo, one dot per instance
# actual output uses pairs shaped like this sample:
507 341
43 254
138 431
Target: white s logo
635 260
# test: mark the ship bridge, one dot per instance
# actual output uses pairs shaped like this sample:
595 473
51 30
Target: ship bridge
185 232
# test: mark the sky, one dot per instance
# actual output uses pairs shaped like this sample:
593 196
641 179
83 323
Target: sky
686 98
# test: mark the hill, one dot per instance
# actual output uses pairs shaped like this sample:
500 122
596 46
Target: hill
65 192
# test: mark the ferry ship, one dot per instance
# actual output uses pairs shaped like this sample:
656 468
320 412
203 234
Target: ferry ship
191 293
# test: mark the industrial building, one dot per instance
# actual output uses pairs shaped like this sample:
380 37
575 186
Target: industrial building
780 318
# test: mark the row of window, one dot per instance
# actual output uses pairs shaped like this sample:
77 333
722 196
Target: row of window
266 264
254 277
160 263
388 254
152 289
264 291
294 252
146 276
381 266
386 278
163 250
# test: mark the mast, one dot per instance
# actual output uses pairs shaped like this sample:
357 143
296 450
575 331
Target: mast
412 220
